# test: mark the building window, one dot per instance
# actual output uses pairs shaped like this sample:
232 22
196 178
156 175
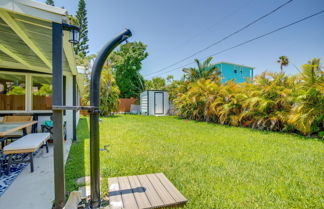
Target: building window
241 71
12 92
42 93
235 70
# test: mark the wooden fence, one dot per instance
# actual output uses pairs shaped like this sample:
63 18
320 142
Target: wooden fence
17 102
42 102
12 102
125 104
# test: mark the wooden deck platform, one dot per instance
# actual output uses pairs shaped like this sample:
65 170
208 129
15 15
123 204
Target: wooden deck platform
143 191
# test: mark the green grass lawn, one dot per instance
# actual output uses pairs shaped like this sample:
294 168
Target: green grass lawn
214 166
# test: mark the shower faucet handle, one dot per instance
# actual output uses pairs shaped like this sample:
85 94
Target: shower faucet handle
105 148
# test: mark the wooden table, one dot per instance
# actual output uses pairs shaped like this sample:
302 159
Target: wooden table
8 128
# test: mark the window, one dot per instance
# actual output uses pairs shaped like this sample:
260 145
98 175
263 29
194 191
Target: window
12 92
235 70
42 93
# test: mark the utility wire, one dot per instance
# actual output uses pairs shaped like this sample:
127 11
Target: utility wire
226 37
222 20
251 40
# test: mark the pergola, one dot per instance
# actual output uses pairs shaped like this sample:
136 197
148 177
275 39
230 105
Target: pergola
32 39
26 36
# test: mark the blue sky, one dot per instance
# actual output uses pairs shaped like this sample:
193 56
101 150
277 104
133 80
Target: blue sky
174 29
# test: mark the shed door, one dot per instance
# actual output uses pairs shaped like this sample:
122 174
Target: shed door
158 103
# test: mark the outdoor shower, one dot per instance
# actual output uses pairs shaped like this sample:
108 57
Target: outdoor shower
94 114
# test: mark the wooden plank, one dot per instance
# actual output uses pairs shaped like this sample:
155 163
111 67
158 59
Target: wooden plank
129 201
139 192
115 198
151 194
160 189
144 191
173 191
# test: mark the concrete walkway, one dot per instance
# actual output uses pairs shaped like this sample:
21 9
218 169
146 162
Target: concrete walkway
34 190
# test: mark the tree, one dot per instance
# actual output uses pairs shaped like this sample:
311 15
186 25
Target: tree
82 47
156 83
204 70
50 2
83 77
283 61
109 91
127 62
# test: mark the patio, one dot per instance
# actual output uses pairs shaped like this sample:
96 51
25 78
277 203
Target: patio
34 190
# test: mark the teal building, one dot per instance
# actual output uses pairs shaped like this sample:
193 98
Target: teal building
239 73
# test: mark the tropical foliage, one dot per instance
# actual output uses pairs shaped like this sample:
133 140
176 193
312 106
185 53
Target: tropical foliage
203 70
17 90
109 93
307 114
275 101
44 90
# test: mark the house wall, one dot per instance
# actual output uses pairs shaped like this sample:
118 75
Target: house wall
228 72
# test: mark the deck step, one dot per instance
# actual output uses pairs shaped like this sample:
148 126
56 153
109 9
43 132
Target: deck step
143 191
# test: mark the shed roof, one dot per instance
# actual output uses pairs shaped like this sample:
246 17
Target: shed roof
26 36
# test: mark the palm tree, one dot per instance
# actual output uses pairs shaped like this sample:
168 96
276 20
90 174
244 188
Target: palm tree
204 70
307 115
284 61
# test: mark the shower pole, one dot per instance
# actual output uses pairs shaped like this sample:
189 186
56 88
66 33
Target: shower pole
94 115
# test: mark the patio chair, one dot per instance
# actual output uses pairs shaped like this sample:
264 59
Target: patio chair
47 127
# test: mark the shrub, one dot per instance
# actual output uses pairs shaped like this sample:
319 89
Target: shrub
275 101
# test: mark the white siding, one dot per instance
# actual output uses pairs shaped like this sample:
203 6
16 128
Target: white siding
147 99
143 102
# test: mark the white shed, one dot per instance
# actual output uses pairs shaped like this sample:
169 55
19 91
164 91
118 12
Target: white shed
154 102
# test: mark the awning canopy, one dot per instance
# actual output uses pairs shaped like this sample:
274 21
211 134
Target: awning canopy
26 36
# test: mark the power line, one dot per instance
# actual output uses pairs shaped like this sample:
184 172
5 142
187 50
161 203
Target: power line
222 20
226 37
251 40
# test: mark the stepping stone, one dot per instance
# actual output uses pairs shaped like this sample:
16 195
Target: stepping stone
85 180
